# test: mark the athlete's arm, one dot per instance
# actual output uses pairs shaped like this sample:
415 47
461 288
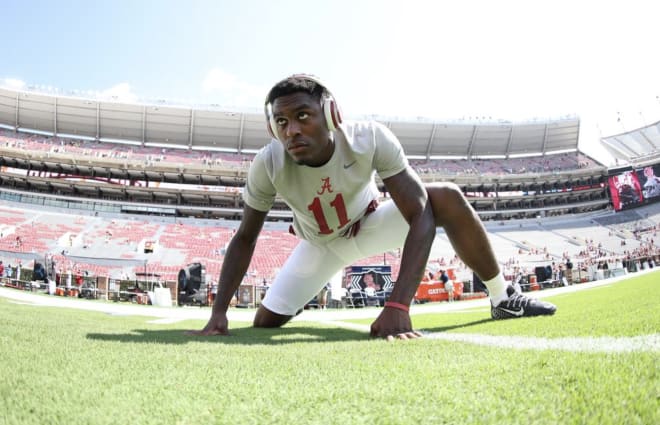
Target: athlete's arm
238 256
237 259
411 198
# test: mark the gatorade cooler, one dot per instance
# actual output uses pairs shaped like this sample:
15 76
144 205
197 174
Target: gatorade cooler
533 285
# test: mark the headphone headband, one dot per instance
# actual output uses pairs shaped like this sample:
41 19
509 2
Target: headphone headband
308 77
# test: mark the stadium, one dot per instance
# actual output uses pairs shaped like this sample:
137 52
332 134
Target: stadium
127 199
160 188
118 212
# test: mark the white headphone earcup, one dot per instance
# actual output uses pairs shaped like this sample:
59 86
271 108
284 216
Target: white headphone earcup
336 113
332 114
272 128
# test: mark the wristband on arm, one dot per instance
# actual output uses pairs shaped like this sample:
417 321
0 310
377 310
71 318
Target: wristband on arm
396 305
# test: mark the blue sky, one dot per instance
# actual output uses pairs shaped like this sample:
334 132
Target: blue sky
441 60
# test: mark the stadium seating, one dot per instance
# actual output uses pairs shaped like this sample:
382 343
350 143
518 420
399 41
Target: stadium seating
56 146
70 237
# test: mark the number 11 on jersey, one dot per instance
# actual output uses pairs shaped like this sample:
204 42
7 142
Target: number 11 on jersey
340 210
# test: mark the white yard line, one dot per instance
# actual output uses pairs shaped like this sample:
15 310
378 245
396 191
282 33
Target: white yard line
574 344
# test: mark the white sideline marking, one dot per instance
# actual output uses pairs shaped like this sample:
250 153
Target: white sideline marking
606 344
166 320
20 303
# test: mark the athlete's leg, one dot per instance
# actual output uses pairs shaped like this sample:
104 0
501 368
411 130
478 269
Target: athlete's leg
311 266
303 275
383 230
464 229
267 319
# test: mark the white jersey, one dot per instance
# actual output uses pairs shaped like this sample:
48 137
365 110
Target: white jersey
327 200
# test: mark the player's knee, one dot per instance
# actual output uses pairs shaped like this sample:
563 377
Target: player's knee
446 199
267 319
444 191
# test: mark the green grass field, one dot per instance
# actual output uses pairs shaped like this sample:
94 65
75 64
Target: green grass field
63 366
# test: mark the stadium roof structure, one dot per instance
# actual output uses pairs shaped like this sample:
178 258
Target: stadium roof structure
637 145
206 128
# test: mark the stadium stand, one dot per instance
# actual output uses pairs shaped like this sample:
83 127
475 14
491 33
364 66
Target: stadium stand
525 243
76 190
637 146
496 185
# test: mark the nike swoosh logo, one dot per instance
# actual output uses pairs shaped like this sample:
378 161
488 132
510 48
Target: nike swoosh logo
514 312
349 165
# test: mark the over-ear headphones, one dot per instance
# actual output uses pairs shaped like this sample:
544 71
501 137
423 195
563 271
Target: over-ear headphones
329 106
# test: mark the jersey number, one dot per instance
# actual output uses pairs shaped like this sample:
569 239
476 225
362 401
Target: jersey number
340 209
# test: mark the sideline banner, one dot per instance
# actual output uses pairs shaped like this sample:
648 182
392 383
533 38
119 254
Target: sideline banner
377 277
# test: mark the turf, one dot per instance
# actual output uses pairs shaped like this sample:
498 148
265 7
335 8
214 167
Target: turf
63 366
627 308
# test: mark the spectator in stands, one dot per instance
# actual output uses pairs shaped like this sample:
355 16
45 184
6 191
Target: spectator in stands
324 169
214 291
517 279
448 284
322 296
606 269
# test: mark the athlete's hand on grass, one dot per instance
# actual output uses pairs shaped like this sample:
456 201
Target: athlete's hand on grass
217 325
393 324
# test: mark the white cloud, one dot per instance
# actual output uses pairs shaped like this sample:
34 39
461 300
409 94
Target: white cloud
12 83
226 89
119 92
217 79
